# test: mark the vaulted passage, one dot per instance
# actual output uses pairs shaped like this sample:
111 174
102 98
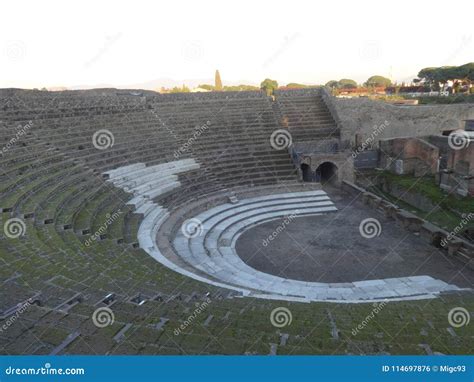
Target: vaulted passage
326 172
307 173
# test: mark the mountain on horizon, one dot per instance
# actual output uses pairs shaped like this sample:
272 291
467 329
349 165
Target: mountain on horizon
159 83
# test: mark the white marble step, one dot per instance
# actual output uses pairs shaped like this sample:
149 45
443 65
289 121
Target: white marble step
146 208
212 216
225 223
124 170
168 168
236 270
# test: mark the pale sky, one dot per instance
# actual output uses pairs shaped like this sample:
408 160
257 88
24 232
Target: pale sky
67 43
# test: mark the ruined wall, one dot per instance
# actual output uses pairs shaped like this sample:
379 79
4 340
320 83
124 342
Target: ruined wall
363 116
416 156
343 162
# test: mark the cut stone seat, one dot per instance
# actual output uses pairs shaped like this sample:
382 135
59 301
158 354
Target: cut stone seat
409 221
262 200
154 193
148 224
156 176
234 230
143 175
145 208
432 234
151 184
254 163
229 229
123 170
278 209
389 210
239 273
213 252
224 258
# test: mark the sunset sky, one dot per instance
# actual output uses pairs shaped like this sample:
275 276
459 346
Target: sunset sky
66 43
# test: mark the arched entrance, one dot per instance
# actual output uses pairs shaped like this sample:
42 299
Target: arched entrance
326 172
307 174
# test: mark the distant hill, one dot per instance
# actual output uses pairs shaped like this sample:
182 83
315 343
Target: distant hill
161 82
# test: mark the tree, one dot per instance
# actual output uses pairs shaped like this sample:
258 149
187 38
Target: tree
177 89
207 87
295 85
332 84
218 81
239 88
433 76
346 83
343 83
269 86
376 81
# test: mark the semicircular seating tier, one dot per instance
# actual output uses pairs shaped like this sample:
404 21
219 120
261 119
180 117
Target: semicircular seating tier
208 253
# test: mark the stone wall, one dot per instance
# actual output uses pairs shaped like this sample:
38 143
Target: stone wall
364 117
342 160
460 171
448 241
415 155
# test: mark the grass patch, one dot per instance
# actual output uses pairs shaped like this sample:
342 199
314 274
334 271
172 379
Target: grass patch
427 187
450 206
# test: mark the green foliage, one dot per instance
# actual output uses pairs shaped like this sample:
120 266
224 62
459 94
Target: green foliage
217 81
444 215
239 88
295 85
457 98
269 86
376 81
428 187
183 89
207 87
442 74
235 88
344 83
333 84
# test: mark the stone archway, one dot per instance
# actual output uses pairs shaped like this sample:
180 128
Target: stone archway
327 172
306 172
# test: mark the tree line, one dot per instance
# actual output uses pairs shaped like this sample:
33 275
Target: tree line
428 79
